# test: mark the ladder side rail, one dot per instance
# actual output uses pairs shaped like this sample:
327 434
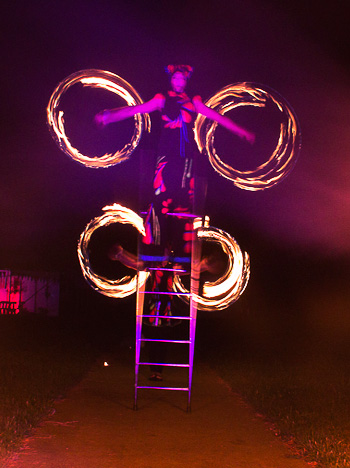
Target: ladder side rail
194 289
139 312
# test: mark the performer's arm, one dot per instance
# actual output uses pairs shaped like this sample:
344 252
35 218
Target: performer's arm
222 120
108 116
116 252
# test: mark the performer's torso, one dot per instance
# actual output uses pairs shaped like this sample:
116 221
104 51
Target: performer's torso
176 138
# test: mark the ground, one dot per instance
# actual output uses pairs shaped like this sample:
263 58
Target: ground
96 426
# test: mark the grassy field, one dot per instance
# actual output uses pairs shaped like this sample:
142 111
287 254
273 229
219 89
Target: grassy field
285 348
40 359
307 405
305 398
299 385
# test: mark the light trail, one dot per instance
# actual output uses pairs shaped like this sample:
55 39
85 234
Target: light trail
216 295
109 82
279 163
228 288
113 288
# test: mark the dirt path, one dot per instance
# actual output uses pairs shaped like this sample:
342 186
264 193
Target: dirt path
96 427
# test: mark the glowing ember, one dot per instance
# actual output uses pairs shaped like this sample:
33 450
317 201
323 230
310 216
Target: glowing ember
282 159
220 294
113 288
109 82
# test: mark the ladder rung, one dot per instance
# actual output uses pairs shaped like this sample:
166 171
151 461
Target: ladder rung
175 317
165 341
153 258
186 389
157 258
162 364
167 269
164 292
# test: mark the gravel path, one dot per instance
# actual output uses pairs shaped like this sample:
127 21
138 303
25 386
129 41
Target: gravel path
96 427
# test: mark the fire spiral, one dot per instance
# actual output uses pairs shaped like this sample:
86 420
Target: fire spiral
95 79
228 288
113 288
279 163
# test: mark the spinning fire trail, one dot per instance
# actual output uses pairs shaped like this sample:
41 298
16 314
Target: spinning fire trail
271 172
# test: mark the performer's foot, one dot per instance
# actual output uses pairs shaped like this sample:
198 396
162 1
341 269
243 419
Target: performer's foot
156 377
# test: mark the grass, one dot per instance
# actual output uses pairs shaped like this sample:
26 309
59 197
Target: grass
40 359
307 404
305 399
285 348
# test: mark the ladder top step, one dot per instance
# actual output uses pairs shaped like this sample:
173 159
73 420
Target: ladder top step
182 215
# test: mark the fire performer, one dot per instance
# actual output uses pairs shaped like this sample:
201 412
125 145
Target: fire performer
178 158
178 161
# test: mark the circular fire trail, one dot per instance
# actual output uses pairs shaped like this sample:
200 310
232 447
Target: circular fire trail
95 79
279 163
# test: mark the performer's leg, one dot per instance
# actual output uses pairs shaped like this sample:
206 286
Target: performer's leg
157 351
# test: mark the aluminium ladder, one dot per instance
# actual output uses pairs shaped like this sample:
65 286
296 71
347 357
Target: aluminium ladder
192 318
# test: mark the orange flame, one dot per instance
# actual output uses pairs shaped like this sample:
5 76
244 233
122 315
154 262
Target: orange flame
112 288
282 159
226 290
109 82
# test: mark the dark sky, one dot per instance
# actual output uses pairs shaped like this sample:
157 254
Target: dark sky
299 50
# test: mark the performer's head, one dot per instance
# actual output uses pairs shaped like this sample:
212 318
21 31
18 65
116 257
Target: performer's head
179 75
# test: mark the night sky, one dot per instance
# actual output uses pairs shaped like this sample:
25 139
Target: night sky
300 51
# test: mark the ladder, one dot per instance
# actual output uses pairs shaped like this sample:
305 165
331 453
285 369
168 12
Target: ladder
191 318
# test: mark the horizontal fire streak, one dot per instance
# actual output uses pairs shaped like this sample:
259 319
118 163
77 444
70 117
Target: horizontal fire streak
95 79
282 159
